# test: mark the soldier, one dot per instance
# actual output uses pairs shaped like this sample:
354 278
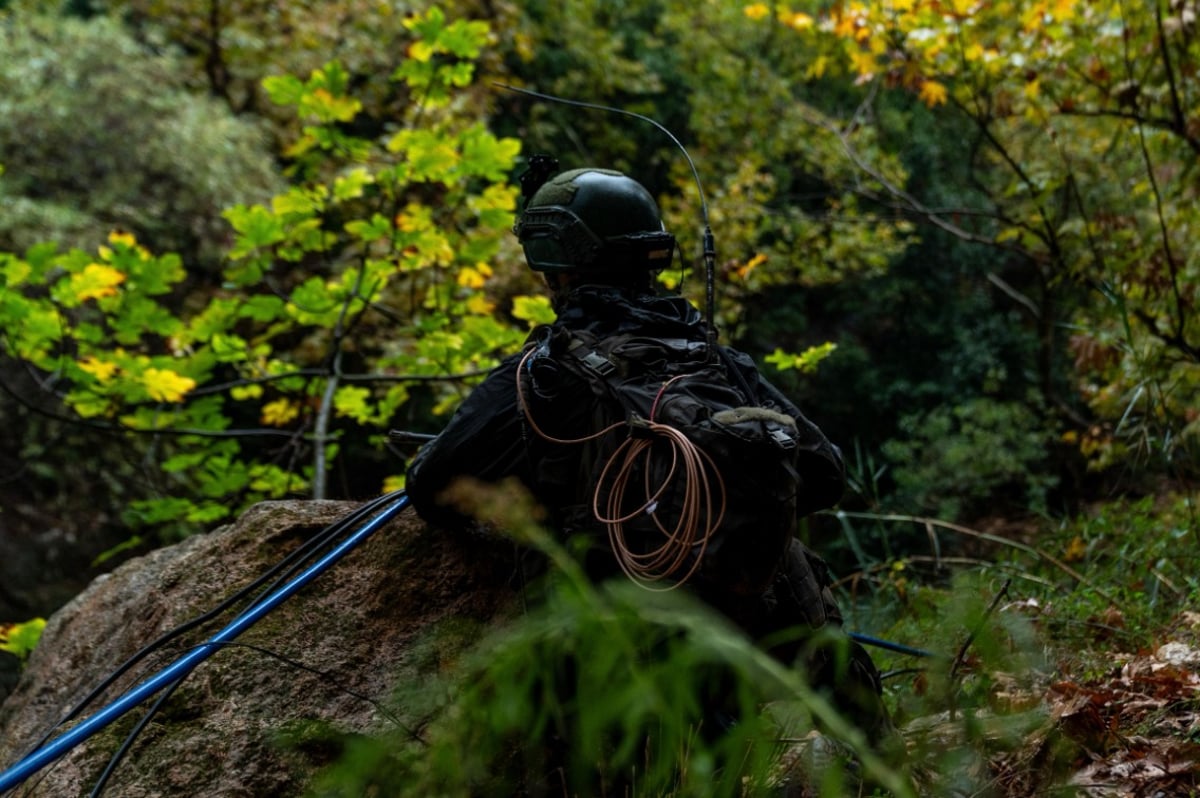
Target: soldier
598 239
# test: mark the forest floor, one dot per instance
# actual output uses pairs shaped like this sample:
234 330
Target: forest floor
1077 670
1128 728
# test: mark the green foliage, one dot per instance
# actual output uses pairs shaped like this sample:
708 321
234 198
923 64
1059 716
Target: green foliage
599 690
593 686
1082 159
98 133
437 41
805 362
782 198
1144 553
978 457
229 49
378 255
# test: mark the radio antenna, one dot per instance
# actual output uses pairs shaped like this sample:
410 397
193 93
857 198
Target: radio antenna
710 252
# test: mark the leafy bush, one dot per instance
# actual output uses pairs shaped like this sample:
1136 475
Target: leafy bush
976 457
368 275
1142 559
98 133
598 690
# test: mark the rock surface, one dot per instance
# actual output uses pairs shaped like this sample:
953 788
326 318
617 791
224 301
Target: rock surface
394 609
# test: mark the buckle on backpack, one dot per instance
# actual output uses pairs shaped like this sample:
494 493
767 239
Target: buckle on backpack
782 438
599 363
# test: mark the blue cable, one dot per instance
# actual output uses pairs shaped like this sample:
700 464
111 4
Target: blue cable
51 751
899 648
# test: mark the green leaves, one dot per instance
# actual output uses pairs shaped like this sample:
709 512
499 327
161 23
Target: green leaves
805 362
1078 159
322 97
438 61
370 268
256 227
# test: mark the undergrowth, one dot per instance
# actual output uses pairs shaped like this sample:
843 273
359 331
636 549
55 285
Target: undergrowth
611 690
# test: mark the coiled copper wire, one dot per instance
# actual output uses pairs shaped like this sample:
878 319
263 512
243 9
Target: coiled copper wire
702 506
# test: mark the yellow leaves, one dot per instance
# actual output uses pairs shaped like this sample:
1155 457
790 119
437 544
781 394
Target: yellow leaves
480 305
1063 10
330 107
244 392
421 51
844 26
121 238
533 309
744 270
474 276
280 413
796 20
756 11
932 93
95 281
1033 16
863 63
409 223
165 385
21 638
124 242
102 370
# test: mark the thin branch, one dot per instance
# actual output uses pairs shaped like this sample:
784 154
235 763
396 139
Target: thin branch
321 429
1014 294
312 372
1168 254
962 651
939 563
1180 118
1174 340
119 429
1163 123
911 202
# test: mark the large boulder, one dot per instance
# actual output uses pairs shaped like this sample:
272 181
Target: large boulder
394 610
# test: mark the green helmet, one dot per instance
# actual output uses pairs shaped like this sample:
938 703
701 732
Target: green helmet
594 221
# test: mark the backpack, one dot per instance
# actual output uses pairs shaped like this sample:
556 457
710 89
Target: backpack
696 480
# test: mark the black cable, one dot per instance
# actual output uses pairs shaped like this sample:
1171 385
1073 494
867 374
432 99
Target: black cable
127 745
329 678
116 758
